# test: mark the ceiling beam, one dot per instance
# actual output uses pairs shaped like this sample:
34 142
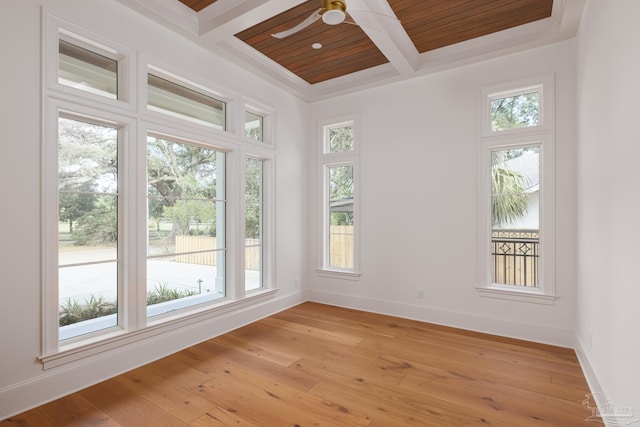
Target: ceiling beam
377 20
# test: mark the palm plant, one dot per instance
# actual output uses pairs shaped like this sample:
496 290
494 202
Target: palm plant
509 201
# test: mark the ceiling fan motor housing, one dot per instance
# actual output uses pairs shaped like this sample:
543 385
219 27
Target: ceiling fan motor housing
333 11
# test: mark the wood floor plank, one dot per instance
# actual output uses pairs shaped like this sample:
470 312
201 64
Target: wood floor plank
219 417
216 357
319 365
172 399
127 407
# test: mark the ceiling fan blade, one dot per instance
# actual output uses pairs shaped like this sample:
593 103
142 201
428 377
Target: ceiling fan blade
304 24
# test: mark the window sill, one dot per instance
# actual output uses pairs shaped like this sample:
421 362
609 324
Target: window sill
508 293
118 338
339 274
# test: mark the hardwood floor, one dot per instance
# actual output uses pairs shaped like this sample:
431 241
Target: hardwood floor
318 365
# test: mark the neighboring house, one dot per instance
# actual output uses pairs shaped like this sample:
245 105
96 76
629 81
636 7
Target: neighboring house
527 166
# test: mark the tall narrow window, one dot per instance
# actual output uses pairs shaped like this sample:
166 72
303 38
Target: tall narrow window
88 237
87 70
339 163
516 183
254 208
186 225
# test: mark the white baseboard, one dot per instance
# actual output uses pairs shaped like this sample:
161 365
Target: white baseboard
528 332
58 382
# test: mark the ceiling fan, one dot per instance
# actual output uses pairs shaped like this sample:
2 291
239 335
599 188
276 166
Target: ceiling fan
332 12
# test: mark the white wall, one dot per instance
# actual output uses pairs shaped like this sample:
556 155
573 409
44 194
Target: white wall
419 200
23 383
608 206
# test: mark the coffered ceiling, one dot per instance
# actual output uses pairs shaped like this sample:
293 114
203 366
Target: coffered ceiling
380 41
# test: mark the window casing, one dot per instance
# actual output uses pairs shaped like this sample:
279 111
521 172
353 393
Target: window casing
339 185
516 184
107 163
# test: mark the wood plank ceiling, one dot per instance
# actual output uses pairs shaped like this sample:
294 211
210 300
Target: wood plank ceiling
430 25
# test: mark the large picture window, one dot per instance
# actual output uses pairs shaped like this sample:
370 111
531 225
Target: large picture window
516 183
136 190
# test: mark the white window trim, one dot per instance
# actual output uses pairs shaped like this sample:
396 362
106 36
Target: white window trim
325 161
268 120
56 28
543 136
126 162
268 221
130 113
148 66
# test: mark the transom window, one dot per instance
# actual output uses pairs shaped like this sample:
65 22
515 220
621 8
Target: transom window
86 70
184 102
253 126
516 110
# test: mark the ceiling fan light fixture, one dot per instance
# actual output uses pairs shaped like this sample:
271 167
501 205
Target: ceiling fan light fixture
334 12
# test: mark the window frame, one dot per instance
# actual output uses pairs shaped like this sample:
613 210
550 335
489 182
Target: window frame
268 217
326 160
148 66
489 141
56 29
131 115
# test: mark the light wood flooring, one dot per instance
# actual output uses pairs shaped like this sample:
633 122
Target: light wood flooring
318 365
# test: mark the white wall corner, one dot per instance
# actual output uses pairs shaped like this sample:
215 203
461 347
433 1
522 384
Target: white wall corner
471 322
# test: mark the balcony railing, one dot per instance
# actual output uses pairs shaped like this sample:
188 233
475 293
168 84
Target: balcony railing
515 255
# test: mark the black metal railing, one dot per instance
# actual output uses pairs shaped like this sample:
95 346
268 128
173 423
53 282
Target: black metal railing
515 257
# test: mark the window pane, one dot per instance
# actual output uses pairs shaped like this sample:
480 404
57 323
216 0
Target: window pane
186 224
87 70
253 223
515 215
87 226
340 139
341 217
514 112
253 126
179 101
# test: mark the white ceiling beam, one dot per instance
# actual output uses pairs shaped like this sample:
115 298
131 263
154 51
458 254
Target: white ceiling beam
225 18
377 20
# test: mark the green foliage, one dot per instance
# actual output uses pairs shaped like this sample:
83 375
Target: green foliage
509 201
515 111
184 213
253 198
73 206
72 311
341 139
100 226
162 293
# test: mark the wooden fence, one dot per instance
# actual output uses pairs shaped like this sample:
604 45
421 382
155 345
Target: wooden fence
341 246
202 250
